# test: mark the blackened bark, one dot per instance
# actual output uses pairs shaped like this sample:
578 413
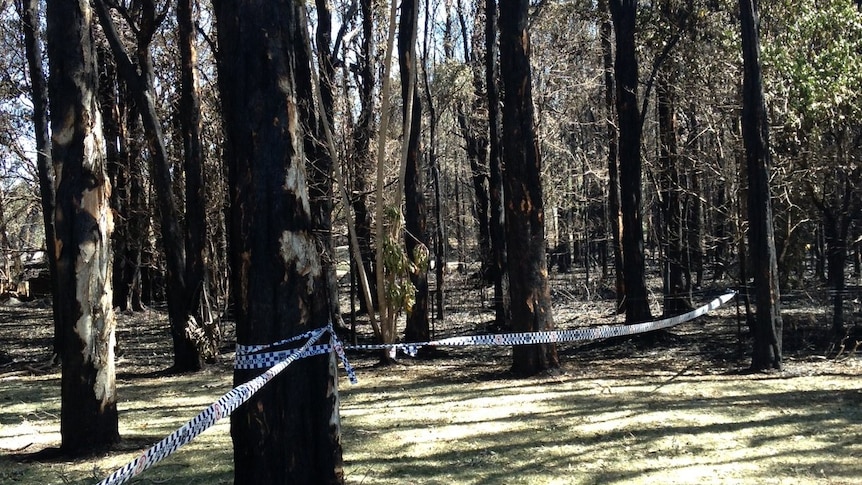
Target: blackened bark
623 14
418 329
196 278
321 189
525 218
755 134
88 416
496 222
289 432
614 215
39 96
472 120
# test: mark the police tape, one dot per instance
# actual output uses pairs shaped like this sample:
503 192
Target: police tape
223 407
257 356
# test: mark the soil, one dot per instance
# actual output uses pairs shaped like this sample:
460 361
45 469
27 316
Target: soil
678 407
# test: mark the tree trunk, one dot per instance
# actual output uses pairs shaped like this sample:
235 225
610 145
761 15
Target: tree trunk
418 329
525 231
196 274
623 13
495 170
321 189
83 221
361 161
676 294
614 215
39 96
289 432
140 80
755 134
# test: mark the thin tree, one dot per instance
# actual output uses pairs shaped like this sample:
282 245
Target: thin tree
623 14
495 169
614 215
418 329
196 279
290 431
525 218
29 13
761 238
83 221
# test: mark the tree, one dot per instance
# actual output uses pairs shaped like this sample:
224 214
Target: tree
525 231
289 432
83 222
414 200
29 13
623 14
614 216
755 134
495 168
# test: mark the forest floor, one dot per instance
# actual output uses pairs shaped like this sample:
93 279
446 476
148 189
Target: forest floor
680 410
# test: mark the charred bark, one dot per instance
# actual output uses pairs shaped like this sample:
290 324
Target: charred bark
83 221
289 432
418 329
525 218
623 14
140 79
755 134
497 211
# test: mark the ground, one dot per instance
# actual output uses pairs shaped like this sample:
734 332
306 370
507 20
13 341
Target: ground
680 409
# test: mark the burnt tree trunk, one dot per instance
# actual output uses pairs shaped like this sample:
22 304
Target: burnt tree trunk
418 329
289 432
497 211
434 166
761 238
39 96
614 215
623 14
196 274
525 217
321 188
83 221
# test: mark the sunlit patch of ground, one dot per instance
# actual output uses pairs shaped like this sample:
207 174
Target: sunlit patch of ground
677 410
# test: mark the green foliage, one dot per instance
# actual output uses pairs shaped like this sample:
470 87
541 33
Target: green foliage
814 64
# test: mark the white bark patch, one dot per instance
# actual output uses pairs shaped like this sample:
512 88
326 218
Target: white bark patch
299 253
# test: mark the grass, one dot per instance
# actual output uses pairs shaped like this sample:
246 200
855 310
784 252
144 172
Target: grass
676 413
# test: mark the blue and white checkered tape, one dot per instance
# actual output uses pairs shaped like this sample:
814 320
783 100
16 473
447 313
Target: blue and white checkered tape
253 357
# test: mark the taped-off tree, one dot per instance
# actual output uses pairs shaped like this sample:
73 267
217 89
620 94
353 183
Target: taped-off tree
290 431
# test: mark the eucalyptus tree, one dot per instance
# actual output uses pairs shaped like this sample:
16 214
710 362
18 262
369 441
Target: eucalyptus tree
418 329
191 326
289 432
755 133
624 15
525 218
83 222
